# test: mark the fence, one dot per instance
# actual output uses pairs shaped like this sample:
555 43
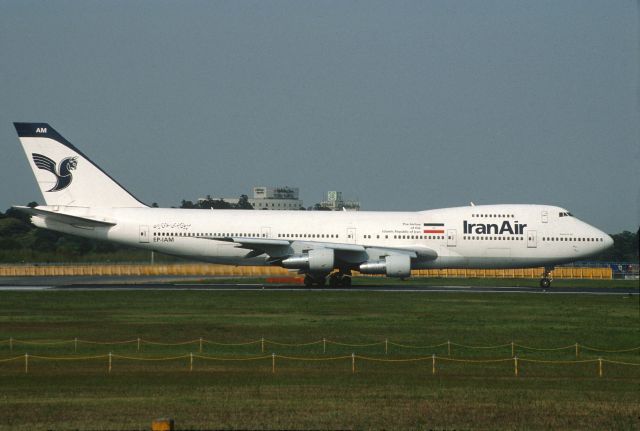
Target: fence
434 359
264 344
262 271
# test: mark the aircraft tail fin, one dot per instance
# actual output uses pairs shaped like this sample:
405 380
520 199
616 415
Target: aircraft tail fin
65 175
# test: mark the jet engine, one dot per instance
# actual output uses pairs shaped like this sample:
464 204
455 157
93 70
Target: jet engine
319 260
397 265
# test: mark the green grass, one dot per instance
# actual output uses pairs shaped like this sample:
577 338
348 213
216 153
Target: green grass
319 395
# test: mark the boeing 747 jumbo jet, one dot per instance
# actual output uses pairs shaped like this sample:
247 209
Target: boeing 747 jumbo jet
82 199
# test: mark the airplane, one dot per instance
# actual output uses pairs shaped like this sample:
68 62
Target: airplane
82 199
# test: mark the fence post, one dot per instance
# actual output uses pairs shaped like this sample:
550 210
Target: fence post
600 367
515 365
386 346
110 362
262 344
449 348
190 361
513 349
200 344
576 350
324 345
138 344
433 364
26 363
75 345
353 362
273 363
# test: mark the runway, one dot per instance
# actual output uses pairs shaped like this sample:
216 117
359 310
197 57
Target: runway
195 283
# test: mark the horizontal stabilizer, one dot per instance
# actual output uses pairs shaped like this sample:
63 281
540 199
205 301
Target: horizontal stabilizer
80 221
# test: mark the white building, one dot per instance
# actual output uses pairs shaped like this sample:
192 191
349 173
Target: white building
276 198
272 198
335 202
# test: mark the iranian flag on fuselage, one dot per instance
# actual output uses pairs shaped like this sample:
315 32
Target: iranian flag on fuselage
433 227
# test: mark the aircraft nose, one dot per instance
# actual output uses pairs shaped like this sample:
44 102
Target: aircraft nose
608 241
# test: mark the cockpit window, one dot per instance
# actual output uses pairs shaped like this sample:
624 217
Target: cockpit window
565 214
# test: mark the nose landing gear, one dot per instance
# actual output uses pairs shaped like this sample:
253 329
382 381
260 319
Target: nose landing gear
545 282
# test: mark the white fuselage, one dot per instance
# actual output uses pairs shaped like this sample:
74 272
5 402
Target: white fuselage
488 236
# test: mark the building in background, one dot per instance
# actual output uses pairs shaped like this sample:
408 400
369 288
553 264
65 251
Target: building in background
276 198
335 202
270 198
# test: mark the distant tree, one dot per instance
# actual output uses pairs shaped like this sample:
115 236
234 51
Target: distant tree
12 226
206 203
319 207
210 203
243 203
625 248
221 204
154 205
187 204
105 247
14 213
72 246
10 244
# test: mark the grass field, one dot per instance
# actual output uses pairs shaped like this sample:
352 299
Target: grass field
319 395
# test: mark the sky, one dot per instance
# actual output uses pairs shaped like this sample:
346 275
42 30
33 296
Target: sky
403 105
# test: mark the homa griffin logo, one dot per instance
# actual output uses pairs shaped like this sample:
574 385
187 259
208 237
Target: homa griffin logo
63 174
493 229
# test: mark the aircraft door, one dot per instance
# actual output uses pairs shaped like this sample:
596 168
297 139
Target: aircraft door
532 240
451 238
351 235
545 216
265 232
144 234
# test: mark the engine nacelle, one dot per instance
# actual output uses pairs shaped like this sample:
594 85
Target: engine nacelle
397 265
316 260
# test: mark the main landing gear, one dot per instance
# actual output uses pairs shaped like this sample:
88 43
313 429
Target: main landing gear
545 282
336 279
340 279
314 280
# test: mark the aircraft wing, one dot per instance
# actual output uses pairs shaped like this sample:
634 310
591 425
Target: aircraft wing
278 249
73 220
274 248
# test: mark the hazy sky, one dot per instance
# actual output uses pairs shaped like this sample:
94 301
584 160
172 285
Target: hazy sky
403 105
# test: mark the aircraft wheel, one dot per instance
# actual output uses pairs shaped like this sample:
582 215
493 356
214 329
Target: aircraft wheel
334 280
346 281
545 283
317 280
